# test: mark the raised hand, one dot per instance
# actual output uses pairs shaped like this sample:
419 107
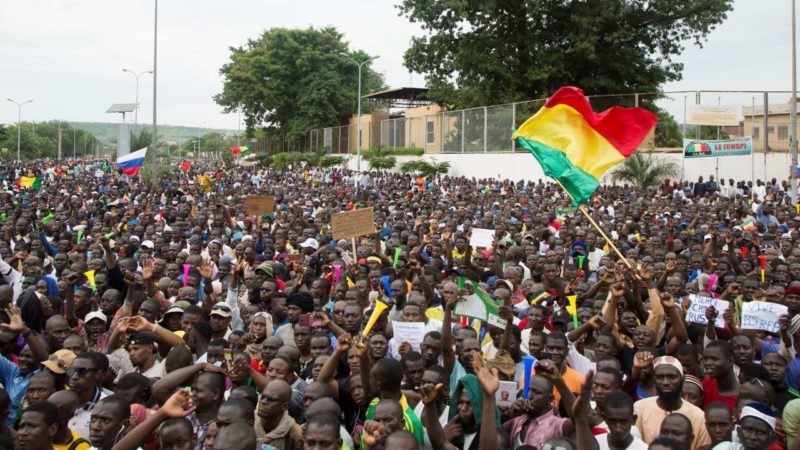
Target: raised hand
206 271
430 392
15 323
642 360
618 290
666 300
548 369
580 408
374 433
139 323
489 380
404 348
711 315
645 274
147 270
344 342
597 322
178 405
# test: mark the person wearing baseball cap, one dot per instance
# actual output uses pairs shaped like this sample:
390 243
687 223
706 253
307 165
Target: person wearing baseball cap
59 362
142 352
220 320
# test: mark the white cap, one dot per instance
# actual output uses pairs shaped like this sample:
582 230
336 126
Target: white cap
95 315
310 242
149 244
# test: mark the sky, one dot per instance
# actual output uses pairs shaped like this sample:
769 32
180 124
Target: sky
68 55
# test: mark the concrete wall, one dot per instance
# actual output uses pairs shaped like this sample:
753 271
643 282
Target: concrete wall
523 166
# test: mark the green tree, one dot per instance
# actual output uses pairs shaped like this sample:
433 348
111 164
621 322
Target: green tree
644 169
294 80
482 53
141 140
668 134
41 140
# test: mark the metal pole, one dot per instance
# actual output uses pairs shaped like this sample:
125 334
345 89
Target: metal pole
793 111
683 153
752 153
716 172
358 137
766 133
19 122
73 143
155 84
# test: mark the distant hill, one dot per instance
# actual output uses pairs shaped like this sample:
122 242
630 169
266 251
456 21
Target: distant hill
108 131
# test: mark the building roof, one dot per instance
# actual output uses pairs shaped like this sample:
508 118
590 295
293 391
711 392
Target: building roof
404 97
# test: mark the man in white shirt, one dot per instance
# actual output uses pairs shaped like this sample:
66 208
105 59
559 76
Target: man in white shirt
618 411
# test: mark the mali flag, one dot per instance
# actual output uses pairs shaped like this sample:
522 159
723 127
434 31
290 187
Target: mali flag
29 182
576 146
243 149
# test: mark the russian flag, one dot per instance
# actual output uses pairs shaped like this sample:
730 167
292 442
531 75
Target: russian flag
132 162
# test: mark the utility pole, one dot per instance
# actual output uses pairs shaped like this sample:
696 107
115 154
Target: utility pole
793 110
155 84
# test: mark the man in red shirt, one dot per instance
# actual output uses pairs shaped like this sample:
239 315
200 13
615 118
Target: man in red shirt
720 383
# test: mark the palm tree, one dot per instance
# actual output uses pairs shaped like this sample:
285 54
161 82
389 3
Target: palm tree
643 169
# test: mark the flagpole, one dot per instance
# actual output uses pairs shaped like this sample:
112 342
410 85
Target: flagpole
596 226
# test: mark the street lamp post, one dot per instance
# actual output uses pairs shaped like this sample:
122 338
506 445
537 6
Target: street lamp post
19 118
793 110
136 112
155 85
358 136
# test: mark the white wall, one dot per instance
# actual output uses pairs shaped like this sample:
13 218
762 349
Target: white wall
523 166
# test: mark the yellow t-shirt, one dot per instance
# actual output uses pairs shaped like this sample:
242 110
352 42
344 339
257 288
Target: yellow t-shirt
82 446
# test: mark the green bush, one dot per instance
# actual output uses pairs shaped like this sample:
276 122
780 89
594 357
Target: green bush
383 151
330 161
285 159
425 168
382 162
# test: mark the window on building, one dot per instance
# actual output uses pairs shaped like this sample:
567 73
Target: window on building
770 130
430 132
755 133
783 132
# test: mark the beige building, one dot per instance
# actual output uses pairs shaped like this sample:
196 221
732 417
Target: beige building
777 130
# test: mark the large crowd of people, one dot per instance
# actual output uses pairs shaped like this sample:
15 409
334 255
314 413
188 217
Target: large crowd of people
140 314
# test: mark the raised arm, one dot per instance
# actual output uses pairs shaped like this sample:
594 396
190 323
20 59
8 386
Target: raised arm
178 405
328 372
490 383
33 340
448 353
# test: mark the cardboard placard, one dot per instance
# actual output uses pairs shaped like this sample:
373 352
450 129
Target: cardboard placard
762 316
259 205
348 224
699 306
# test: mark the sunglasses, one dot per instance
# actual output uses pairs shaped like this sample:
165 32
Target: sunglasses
338 311
80 371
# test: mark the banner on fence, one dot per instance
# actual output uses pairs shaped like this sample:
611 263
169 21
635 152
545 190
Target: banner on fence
714 115
698 148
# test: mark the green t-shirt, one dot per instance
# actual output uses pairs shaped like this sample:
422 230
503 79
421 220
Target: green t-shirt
412 423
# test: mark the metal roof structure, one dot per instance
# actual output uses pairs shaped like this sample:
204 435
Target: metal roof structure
404 97
122 108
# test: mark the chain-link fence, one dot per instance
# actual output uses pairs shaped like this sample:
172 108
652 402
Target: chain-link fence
488 129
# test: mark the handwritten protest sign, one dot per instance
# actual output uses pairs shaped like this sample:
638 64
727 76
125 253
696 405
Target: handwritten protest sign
259 205
353 223
699 306
411 332
481 238
762 316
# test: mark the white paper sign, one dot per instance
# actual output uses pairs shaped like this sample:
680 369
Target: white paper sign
762 316
506 394
481 238
699 306
411 332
